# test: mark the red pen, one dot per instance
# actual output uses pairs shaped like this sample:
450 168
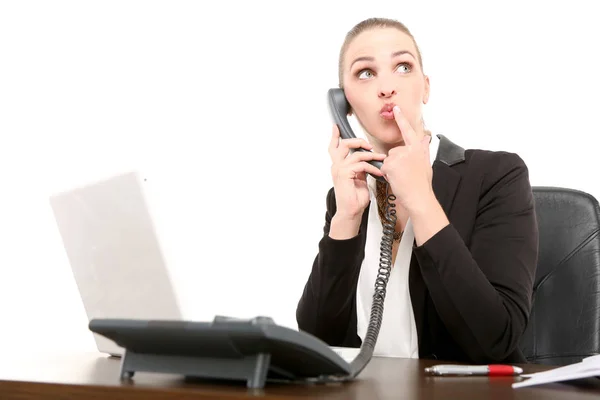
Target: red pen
483 370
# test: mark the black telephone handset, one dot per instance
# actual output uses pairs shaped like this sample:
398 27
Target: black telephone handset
340 109
253 350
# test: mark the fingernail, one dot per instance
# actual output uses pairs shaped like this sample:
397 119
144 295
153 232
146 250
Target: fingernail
396 108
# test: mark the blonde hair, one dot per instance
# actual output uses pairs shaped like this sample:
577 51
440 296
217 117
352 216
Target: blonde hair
365 25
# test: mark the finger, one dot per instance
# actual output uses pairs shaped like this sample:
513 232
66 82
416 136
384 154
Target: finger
408 133
334 142
356 143
346 144
335 138
364 156
363 166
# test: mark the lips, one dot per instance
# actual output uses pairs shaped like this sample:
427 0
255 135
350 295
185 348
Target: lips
387 111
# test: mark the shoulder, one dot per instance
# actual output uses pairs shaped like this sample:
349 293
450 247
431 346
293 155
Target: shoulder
452 154
494 160
496 166
501 176
480 164
494 173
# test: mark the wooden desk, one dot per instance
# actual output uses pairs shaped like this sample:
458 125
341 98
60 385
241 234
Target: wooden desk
95 376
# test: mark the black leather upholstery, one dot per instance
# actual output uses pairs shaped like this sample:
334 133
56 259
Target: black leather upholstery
564 326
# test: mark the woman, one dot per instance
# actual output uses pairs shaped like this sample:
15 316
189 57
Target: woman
465 245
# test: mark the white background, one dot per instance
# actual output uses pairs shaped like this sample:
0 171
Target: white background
221 107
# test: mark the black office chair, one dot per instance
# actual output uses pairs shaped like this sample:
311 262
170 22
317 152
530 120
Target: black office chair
564 326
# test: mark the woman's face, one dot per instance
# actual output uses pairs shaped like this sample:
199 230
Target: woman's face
381 69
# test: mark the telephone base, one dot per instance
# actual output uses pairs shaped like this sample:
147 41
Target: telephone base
252 369
255 351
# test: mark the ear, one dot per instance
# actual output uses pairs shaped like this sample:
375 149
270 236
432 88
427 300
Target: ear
426 91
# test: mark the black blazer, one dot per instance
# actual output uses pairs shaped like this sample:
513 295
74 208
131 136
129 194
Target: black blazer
470 284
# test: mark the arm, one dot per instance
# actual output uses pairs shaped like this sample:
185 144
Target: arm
482 292
327 303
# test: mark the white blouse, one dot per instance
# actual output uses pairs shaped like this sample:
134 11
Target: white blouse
398 333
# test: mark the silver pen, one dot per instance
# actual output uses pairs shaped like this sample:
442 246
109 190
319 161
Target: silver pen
483 370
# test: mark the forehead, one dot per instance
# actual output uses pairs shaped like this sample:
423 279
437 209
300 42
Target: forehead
378 42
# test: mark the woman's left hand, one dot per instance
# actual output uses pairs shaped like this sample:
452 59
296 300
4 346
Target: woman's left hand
408 168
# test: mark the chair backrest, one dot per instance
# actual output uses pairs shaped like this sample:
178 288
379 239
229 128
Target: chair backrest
564 326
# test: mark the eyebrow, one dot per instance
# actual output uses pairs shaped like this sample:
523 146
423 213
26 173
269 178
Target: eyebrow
395 54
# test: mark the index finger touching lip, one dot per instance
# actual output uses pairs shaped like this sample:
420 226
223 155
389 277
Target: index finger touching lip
408 134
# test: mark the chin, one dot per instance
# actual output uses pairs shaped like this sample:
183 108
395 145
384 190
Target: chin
389 135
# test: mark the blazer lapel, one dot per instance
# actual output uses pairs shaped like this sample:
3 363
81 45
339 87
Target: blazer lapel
445 179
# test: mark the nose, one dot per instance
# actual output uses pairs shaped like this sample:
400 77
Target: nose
386 92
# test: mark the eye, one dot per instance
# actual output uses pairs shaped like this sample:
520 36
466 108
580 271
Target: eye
365 74
404 67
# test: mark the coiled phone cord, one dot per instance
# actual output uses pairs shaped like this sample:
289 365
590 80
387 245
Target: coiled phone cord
385 263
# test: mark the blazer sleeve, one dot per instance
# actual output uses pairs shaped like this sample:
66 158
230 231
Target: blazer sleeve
483 292
326 306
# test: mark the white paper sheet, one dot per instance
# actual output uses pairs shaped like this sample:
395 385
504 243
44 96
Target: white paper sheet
588 367
347 353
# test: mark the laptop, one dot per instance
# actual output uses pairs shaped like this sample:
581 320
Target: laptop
110 241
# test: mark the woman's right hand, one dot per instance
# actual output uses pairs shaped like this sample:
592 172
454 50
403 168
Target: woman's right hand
349 173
